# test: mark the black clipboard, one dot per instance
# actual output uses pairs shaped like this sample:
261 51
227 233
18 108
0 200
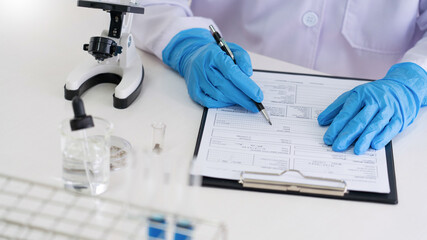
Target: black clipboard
389 198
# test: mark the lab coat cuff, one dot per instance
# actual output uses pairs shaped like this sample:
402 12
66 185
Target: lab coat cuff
417 54
177 26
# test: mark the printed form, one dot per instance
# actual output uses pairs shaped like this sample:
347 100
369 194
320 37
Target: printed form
235 140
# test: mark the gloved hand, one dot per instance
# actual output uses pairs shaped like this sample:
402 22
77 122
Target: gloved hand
213 79
373 113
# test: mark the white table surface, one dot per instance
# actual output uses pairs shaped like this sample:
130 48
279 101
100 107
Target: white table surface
41 42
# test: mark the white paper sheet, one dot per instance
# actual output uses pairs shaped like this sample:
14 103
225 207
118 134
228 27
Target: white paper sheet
235 140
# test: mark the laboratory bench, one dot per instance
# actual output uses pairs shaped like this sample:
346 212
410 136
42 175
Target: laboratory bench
42 42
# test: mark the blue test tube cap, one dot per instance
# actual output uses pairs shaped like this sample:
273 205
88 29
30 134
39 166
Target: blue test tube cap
183 230
156 227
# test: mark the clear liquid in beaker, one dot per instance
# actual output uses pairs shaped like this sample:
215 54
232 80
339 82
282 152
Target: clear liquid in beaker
97 155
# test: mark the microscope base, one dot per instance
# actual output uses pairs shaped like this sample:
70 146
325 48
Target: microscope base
120 103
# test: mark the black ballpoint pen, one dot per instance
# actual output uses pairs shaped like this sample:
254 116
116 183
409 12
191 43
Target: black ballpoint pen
221 42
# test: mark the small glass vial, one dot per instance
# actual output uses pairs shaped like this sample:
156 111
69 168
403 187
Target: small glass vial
158 136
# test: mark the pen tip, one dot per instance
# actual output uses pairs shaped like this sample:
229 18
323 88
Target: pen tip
270 122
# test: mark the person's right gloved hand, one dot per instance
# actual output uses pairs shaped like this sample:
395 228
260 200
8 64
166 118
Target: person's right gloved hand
213 79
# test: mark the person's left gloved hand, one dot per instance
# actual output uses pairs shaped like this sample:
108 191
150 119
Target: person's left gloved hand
373 113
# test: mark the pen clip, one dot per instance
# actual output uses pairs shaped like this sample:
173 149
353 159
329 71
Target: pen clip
221 42
228 50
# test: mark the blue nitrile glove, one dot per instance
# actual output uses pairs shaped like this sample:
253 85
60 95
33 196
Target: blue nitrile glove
373 113
213 79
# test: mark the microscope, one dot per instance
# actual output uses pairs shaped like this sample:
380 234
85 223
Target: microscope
116 58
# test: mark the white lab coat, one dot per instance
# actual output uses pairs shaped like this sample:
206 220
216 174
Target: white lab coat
358 38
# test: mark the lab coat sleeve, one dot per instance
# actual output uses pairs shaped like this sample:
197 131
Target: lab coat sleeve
418 53
161 21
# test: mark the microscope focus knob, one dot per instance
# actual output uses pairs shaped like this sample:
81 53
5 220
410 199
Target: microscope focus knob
102 48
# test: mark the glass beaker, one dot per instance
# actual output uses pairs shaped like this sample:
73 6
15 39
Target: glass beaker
86 157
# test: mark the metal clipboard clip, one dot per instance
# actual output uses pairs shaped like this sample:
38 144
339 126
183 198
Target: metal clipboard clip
305 184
